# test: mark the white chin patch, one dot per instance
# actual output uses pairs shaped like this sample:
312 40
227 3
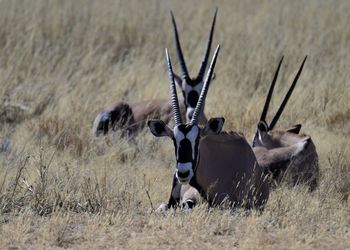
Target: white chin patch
184 172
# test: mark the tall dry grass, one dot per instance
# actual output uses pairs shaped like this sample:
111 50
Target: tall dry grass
62 61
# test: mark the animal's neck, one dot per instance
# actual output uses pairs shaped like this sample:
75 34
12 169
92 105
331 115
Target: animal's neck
194 182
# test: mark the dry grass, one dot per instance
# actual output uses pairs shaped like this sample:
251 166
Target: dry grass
61 61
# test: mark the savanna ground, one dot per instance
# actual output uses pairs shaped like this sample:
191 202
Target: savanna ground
62 61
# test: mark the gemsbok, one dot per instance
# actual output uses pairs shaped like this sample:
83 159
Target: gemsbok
192 87
220 166
285 154
131 117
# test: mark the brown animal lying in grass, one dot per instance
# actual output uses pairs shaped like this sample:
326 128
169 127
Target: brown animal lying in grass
285 154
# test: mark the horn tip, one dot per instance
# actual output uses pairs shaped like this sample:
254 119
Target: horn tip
281 60
172 15
302 64
167 54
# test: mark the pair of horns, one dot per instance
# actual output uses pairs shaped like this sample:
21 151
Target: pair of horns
286 98
200 103
180 56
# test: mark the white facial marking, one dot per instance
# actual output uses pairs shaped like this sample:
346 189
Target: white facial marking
178 137
188 88
199 87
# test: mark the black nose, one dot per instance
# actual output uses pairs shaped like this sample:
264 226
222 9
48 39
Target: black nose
183 175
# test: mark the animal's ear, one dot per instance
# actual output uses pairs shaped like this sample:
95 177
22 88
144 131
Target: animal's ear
295 129
178 81
262 127
260 134
101 123
159 128
213 126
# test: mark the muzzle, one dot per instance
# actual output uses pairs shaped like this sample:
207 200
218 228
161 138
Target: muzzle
184 172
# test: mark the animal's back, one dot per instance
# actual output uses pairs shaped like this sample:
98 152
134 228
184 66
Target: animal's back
287 163
304 168
154 109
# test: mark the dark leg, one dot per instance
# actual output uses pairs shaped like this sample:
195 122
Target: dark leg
173 200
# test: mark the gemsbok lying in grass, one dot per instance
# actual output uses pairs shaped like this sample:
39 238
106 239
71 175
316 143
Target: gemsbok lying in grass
220 166
131 117
285 154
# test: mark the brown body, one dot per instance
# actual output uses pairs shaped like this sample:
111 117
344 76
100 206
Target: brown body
132 117
228 172
289 157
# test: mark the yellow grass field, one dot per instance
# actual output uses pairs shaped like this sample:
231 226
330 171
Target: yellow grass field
62 61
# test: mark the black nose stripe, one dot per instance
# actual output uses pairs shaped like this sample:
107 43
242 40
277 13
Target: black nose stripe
185 151
192 98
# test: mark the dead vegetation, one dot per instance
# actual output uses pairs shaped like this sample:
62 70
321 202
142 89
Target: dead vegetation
61 61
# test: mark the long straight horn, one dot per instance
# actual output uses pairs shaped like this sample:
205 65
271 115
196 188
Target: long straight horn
180 56
174 100
268 98
207 50
205 88
286 98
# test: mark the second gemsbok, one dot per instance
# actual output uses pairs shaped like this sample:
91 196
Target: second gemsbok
284 153
130 117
